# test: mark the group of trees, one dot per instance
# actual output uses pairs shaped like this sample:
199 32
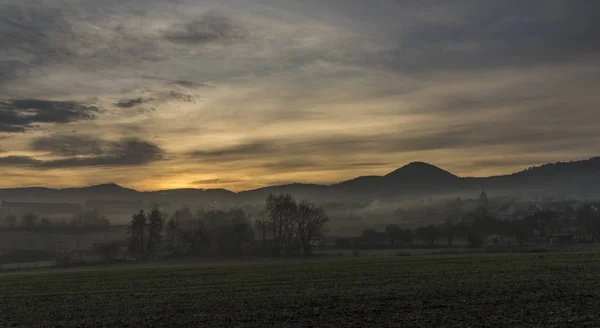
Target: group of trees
209 233
588 219
88 220
474 227
285 227
144 234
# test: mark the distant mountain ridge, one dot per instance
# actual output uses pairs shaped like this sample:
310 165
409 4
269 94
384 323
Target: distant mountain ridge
414 179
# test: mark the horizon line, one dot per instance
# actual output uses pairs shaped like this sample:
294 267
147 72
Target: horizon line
306 183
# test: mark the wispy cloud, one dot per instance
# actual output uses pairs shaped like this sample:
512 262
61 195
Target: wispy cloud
128 103
215 181
208 29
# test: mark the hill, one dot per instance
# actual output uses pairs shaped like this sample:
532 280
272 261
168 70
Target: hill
417 179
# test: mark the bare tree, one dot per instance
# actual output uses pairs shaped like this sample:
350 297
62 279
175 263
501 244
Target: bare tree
263 228
281 210
309 222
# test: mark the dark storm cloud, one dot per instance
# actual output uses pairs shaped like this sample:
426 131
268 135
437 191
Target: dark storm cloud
126 152
128 103
208 29
20 115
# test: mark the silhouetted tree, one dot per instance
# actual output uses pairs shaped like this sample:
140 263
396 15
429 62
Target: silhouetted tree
588 220
243 233
406 236
264 228
482 222
483 200
218 233
449 231
462 229
136 232
394 233
184 218
310 220
281 210
429 234
373 238
155 227
171 236
456 207
29 220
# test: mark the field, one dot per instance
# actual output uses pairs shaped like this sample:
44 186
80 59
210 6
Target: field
525 290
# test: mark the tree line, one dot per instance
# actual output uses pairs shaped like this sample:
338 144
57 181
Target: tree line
88 221
285 227
474 227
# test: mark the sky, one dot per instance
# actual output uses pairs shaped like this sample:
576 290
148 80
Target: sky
240 94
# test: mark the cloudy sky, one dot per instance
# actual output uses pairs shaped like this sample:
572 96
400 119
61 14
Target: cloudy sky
239 94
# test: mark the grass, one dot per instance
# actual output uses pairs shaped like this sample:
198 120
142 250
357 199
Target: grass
525 290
